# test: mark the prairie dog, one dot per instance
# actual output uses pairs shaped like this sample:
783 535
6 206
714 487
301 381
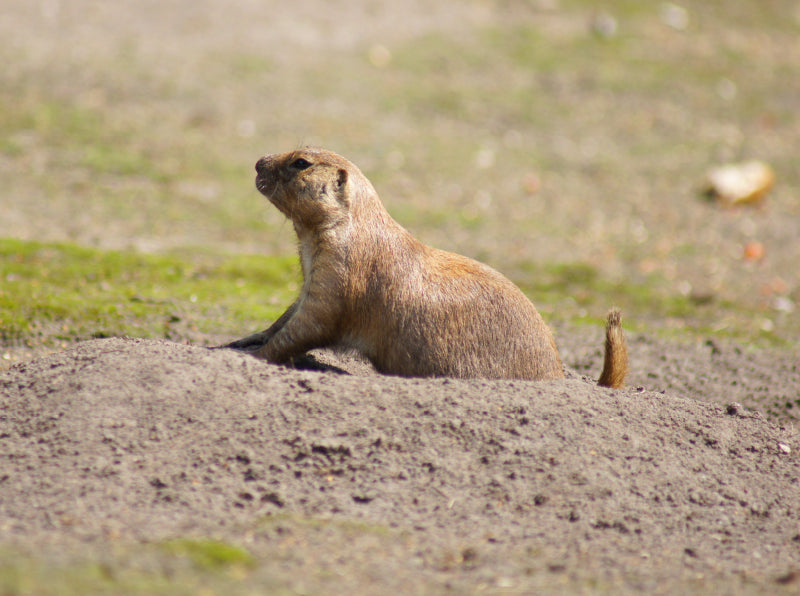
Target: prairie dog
410 309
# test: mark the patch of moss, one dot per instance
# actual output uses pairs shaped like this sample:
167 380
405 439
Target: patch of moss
72 292
177 567
20 574
210 554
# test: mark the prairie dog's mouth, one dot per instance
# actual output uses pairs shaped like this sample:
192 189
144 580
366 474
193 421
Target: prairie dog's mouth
263 178
266 186
261 185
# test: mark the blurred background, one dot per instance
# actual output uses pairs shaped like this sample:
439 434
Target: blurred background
567 143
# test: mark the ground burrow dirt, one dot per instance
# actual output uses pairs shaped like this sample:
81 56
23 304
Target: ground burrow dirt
415 484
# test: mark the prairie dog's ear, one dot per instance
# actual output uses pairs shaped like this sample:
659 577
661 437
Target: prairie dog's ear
341 178
341 191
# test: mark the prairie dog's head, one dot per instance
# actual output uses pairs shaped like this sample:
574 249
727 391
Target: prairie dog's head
312 187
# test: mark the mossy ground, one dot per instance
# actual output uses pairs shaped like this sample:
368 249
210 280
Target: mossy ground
60 292
65 292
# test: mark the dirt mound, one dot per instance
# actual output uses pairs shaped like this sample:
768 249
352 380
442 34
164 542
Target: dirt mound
420 483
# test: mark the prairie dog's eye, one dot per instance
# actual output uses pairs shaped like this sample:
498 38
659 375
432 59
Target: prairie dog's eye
300 164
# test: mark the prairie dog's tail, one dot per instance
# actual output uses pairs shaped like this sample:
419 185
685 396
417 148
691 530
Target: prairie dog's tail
615 361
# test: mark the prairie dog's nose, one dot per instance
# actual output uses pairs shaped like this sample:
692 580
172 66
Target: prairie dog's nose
262 163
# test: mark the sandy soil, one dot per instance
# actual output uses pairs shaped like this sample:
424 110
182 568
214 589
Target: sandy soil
421 485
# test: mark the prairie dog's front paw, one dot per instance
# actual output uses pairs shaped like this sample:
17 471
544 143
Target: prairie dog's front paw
249 343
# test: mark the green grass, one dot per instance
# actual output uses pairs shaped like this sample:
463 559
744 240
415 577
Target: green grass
200 565
63 291
579 293
98 160
177 567
78 136
210 554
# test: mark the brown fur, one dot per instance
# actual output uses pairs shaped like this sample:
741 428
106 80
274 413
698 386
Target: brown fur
370 286
615 361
